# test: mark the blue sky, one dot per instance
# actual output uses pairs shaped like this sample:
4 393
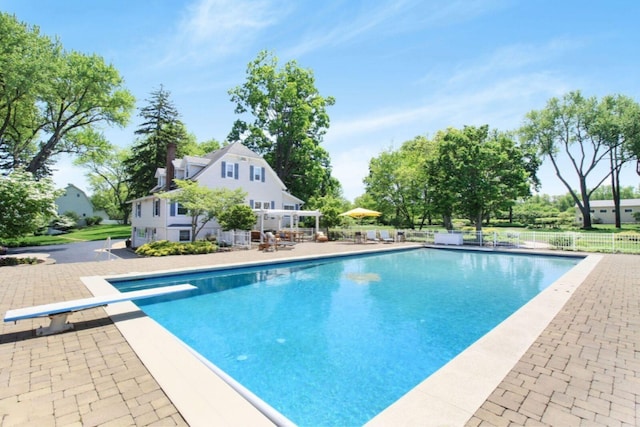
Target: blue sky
397 69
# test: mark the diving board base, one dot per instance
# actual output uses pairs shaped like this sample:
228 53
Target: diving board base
58 324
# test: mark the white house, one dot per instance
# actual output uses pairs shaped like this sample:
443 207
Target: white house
603 211
233 166
75 200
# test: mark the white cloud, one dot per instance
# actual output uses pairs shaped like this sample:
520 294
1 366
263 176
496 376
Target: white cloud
210 29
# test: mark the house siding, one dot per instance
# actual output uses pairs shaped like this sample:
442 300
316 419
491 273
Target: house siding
603 211
269 189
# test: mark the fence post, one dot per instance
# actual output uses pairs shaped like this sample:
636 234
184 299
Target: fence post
613 243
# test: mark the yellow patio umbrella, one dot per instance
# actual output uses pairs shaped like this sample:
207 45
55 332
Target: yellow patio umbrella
360 213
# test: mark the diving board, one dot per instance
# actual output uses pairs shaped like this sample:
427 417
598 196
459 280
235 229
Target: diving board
59 311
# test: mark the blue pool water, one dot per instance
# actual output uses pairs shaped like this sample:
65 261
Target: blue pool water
333 342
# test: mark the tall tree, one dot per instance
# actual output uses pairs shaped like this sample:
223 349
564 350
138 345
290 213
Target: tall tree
290 120
160 126
108 180
485 171
618 125
27 62
568 129
49 97
397 180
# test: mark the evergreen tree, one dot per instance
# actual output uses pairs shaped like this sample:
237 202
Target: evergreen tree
160 126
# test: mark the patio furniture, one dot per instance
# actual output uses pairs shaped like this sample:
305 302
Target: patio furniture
371 236
384 236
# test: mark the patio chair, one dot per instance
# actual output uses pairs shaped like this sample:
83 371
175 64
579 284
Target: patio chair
384 236
371 236
269 242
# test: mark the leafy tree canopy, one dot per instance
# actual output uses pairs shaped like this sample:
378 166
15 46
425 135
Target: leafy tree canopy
26 204
108 180
586 132
237 217
331 207
290 120
50 97
203 204
485 171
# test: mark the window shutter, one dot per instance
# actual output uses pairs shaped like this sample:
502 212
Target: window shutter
251 173
273 204
235 170
251 203
173 209
224 169
263 173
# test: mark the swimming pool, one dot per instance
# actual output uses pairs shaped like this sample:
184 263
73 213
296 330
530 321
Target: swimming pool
333 342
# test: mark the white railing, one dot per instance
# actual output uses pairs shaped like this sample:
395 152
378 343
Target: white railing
240 239
566 241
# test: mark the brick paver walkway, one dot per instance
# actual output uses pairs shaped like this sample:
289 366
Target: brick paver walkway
583 370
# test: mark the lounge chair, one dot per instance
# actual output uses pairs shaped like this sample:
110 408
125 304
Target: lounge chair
371 236
384 236
285 240
269 242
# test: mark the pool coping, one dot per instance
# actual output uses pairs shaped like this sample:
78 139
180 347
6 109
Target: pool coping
449 396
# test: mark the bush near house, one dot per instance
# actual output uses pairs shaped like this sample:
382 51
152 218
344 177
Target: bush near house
93 220
165 247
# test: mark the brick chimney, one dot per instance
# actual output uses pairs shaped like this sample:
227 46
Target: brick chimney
169 170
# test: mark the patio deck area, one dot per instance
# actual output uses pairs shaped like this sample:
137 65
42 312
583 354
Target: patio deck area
584 369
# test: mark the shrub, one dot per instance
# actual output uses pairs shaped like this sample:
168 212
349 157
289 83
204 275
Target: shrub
12 261
64 223
93 220
164 248
561 241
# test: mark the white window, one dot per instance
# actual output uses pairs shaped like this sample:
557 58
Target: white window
229 170
185 235
182 210
257 173
262 205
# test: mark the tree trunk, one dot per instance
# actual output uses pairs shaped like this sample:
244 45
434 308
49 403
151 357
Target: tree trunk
615 190
586 205
479 218
446 221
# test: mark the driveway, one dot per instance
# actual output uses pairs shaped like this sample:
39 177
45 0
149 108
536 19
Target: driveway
77 252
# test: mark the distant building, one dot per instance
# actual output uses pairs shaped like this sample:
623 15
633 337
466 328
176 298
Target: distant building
603 211
75 200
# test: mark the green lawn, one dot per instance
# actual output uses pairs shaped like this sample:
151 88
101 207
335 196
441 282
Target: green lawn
97 232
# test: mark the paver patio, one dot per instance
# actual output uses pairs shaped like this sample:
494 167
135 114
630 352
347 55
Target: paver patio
583 370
